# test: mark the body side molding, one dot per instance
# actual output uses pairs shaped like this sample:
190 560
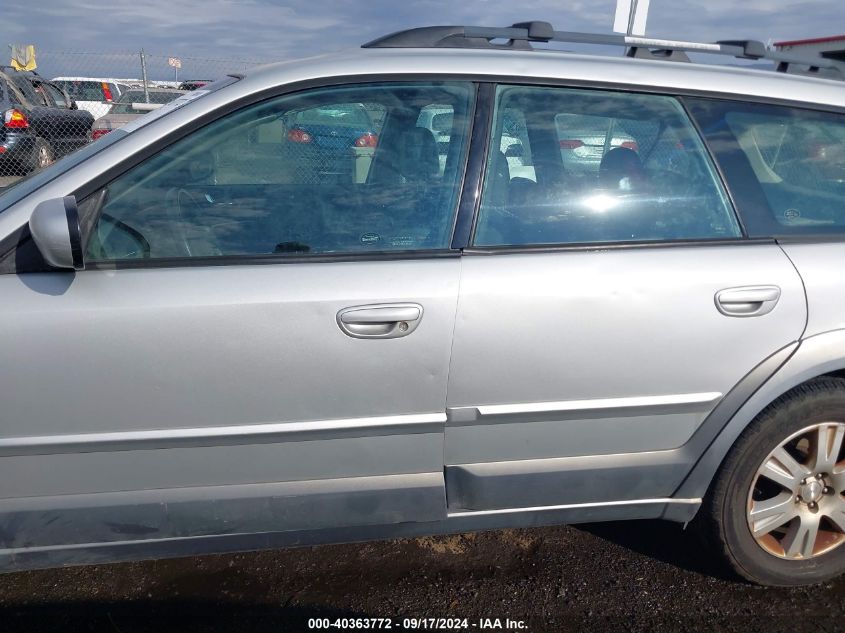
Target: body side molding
578 409
222 435
576 506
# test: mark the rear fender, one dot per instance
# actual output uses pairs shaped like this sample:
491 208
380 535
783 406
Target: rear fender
817 355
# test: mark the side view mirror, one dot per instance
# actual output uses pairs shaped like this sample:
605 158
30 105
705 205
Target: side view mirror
72 105
54 225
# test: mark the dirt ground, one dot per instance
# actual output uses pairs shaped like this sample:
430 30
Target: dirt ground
631 576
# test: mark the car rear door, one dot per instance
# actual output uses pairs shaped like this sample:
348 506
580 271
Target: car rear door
603 312
249 348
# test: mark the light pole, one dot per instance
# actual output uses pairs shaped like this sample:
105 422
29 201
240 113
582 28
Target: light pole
631 16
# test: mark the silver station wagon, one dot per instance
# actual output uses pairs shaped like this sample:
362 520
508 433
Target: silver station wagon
224 329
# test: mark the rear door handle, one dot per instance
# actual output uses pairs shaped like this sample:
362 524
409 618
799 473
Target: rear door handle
388 320
747 301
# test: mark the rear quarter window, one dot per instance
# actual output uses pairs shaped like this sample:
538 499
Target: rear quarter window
786 166
25 86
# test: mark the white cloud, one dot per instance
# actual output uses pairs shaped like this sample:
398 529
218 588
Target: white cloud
270 29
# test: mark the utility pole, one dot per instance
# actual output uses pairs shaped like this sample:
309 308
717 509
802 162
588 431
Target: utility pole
633 13
144 76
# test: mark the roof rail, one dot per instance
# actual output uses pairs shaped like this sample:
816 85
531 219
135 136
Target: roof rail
521 35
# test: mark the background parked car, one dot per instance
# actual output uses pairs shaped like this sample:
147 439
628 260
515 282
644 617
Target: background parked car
325 137
585 139
131 105
40 123
92 94
193 84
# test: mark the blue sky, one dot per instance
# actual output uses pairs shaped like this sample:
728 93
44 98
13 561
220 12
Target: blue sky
269 29
274 30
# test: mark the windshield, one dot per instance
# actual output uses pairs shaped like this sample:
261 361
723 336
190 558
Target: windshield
124 104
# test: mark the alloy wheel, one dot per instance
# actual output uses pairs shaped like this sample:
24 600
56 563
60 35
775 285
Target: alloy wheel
796 505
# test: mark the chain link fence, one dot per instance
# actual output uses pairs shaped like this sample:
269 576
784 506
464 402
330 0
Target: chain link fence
75 97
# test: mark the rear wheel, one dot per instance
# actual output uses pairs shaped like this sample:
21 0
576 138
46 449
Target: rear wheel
777 507
43 156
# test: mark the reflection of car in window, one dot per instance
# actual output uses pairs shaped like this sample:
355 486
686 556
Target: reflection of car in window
585 139
329 135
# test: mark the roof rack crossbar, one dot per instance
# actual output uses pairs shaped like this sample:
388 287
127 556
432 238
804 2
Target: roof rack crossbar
520 36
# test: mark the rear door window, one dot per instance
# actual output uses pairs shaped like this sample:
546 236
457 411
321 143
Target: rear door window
569 166
786 166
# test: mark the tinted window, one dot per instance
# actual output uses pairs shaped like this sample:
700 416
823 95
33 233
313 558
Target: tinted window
580 166
54 96
25 86
333 170
785 165
82 90
12 93
43 98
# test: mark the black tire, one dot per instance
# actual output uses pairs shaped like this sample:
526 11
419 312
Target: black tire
723 517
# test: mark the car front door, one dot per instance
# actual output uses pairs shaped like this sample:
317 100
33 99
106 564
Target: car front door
606 308
250 347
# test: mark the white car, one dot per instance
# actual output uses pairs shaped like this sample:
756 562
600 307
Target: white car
95 95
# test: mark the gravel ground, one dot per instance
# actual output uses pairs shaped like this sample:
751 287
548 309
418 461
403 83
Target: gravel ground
633 576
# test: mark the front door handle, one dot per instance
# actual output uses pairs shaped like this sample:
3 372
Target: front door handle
388 320
747 301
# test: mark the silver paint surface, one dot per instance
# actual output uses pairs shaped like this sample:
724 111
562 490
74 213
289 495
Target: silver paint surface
595 325
199 356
